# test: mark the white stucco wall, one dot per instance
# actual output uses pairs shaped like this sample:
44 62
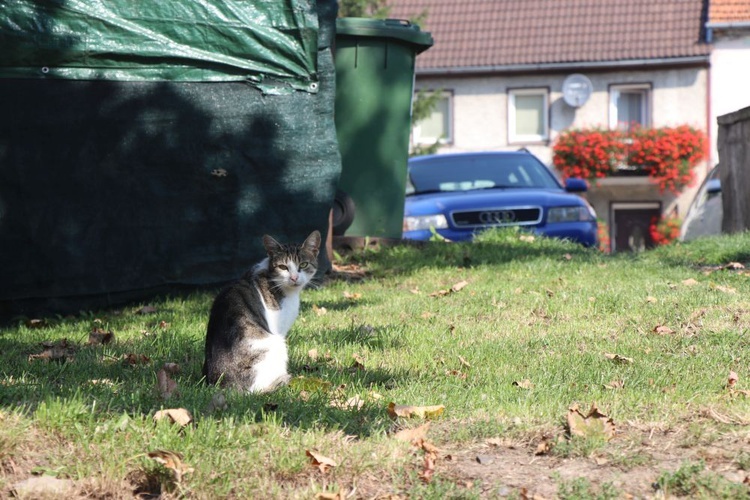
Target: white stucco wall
730 82
480 110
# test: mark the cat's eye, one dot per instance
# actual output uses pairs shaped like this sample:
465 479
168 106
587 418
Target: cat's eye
303 265
282 267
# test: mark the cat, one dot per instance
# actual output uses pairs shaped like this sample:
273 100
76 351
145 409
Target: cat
249 321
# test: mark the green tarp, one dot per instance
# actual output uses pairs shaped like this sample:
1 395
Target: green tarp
267 42
116 187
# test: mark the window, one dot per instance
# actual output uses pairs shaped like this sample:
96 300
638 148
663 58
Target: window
629 105
527 115
437 126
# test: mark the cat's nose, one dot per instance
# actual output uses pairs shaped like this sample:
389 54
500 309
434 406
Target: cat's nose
293 277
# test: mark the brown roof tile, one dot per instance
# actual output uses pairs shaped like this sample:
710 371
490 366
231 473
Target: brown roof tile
729 11
507 33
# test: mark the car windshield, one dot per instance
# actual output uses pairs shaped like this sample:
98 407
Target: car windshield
469 172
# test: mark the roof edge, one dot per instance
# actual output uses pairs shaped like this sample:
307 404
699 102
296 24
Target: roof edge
727 24
517 68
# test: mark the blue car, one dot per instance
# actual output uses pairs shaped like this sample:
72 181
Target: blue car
459 194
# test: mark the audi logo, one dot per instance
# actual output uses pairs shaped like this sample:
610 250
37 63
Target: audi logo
497 217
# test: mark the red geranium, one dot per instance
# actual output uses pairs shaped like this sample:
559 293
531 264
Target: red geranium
667 155
664 230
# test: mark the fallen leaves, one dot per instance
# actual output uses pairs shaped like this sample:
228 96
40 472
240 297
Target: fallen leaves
166 386
97 336
173 461
524 384
662 330
615 384
408 411
179 416
352 296
320 461
594 424
413 435
617 358
454 289
60 351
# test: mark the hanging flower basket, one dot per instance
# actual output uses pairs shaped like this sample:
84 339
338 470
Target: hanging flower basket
667 155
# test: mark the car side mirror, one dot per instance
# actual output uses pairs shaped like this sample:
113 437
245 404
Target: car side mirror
576 185
713 186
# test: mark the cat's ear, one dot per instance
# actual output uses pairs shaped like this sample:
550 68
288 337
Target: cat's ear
272 246
312 243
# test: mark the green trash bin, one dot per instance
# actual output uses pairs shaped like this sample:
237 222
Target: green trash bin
374 87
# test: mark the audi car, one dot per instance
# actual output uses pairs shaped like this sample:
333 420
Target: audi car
460 194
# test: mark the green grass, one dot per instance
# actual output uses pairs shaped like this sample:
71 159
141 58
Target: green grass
544 310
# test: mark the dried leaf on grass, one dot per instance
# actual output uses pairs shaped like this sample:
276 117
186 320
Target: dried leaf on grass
723 289
97 336
179 416
60 351
353 403
359 362
617 358
319 311
594 424
146 310
430 459
322 462
172 461
408 411
524 384
455 288
662 330
171 368
615 384
464 362
456 373
413 435
135 359
732 379
352 296
36 323
689 282
166 386
331 496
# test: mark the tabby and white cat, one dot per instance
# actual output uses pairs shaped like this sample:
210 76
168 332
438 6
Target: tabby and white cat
246 337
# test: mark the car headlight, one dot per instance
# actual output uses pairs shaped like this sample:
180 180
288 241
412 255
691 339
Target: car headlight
570 214
418 222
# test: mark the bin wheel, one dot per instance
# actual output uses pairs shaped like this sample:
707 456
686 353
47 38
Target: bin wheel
343 212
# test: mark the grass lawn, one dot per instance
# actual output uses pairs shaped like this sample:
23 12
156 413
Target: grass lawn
542 369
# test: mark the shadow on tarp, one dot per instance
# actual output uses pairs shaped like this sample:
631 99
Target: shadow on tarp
113 191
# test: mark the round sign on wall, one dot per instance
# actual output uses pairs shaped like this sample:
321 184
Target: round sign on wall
576 90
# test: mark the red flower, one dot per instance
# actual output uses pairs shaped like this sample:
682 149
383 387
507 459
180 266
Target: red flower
667 154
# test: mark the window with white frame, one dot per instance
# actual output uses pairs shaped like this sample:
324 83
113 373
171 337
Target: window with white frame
528 117
629 105
437 126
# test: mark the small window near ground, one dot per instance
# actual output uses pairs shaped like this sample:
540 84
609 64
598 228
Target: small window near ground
436 128
629 106
527 116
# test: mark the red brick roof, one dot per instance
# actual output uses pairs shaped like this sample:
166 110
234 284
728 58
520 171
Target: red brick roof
511 33
729 11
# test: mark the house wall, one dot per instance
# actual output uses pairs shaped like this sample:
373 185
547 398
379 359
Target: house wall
730 87
480 114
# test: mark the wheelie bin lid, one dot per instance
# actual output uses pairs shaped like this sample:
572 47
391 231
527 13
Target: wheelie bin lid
399 29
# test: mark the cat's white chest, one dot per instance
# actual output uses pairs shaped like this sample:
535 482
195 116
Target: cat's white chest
280 321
